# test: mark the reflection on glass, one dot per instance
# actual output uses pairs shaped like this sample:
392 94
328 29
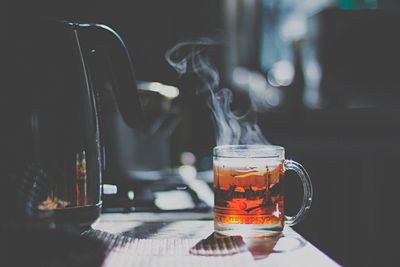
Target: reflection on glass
81 179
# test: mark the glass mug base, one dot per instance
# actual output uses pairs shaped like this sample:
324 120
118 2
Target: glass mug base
248 230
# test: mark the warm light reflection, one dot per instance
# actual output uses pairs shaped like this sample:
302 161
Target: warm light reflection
109 189
281 73
188 172
173 200
168 91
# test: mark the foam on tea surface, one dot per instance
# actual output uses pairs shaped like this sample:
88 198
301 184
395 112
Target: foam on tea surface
260 164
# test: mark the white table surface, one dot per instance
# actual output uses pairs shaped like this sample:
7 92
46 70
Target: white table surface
164 239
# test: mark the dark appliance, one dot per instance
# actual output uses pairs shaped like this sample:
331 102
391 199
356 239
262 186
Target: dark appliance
52 111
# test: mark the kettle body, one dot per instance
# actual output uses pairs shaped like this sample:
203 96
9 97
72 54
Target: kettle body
56 112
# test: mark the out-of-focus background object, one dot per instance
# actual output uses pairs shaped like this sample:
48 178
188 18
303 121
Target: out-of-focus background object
333 66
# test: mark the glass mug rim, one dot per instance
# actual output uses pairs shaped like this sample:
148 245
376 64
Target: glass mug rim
249 151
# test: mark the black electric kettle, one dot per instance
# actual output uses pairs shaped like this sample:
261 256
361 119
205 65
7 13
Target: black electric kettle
53 110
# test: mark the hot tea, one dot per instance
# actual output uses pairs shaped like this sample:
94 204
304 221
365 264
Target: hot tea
248 190
250 195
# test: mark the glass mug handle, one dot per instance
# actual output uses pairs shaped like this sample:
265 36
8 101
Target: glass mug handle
307 189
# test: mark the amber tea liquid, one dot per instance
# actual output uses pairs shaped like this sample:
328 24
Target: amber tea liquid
248 190
248 196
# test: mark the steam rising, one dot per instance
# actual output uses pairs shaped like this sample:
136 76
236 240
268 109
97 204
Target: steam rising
230 129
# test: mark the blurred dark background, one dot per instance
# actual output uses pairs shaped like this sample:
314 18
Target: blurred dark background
334 71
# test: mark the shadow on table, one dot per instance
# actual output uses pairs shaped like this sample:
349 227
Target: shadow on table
145 230
259 247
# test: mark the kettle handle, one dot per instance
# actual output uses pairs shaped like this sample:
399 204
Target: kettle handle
121 67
